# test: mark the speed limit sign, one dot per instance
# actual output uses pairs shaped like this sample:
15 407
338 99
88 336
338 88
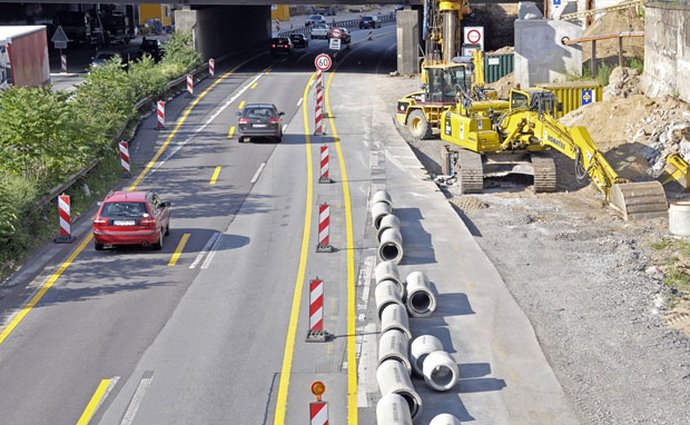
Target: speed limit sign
323 62
474 35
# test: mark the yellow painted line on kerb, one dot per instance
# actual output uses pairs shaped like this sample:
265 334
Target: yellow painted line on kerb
254 85
241 105
23 311
181 121
215 175
231 132
178 250
286 369
94 402
350 249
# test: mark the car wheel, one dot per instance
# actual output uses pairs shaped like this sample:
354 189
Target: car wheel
240 139
98 246
167 229
158 245
279 139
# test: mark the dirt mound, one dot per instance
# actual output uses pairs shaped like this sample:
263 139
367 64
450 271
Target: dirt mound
613 23
503 86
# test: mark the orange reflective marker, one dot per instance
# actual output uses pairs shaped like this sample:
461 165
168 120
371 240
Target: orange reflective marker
318 388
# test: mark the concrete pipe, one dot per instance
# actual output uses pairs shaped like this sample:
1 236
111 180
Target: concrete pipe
378 211
393 344
421 347
390 246
382 196
440 371
678 218
445 419
394 316
388 270
387 293
421 301
389 221
392 409
393 379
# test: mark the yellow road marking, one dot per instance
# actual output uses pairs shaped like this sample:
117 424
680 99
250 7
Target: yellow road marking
178 250
241 105
254 85
214 177
4 333
351 310
181 121
231 132
94 402
286 370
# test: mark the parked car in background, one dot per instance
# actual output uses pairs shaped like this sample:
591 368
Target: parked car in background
103 56
299 40
281 45
369 21
320 31
131 218
152 47
314 20
260 120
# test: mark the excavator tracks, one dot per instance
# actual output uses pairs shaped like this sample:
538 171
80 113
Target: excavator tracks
471 173
544 172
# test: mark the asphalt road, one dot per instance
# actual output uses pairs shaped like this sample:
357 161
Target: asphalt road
217 336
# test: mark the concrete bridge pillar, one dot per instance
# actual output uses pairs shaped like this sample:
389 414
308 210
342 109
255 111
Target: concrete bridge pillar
408 41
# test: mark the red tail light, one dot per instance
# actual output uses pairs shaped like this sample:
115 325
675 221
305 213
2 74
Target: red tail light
274 120
148 222
99 221
274 46
286 46
244 121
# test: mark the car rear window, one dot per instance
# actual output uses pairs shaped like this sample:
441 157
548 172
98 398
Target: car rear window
367 18
259 113
124 209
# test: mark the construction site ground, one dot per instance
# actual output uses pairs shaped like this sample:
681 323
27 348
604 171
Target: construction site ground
608 299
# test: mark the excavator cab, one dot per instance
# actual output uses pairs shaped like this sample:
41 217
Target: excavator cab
445 82
537 100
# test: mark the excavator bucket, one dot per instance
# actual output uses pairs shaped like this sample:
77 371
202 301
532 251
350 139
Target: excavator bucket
639 200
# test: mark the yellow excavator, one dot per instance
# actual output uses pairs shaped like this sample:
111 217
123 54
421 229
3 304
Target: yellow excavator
520 140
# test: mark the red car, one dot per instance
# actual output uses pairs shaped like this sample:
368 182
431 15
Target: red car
131 218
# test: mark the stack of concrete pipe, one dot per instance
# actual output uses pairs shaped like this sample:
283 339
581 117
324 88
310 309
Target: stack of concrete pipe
387 227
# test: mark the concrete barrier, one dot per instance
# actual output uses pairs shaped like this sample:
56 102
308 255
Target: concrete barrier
392 378
382 196
394 316
378 210
393 345
387 292
391 246
421 347
389 221
679 218
440 371
445 419
392 409
388 270
421 301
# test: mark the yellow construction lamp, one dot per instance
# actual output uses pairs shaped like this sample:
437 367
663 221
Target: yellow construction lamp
318 388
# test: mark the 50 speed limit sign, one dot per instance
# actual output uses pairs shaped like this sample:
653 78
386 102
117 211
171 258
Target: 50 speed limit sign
323 62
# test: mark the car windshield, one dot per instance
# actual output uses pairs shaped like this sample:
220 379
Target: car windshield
259 113
367 18
124 209
297 36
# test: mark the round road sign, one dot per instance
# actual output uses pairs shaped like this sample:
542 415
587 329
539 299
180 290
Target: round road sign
323 62
336 33
474 36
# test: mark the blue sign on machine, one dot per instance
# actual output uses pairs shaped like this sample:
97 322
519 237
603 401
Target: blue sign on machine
587 96
556 3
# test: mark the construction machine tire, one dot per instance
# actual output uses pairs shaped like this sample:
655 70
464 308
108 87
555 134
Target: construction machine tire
418 125
544 172
639 200
471 173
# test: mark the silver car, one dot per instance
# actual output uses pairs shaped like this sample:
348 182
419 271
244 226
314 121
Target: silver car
320 31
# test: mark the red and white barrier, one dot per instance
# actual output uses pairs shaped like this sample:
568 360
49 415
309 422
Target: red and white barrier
63 63
212 67
64 219
371 35
324 177
318 107
316 332
160 109
190 84
318 413
324 229
124 157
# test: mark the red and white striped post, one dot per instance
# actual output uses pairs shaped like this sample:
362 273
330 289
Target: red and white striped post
212 67
124 158
316 307
63 63
65 220
160 112
324 229
318 107
190 84
371 35
324 177
318 413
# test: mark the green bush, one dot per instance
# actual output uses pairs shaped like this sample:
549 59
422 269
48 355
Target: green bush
637 63
603 74
146 78
179 55
17 215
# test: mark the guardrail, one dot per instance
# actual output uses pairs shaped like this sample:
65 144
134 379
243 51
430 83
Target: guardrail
349 23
